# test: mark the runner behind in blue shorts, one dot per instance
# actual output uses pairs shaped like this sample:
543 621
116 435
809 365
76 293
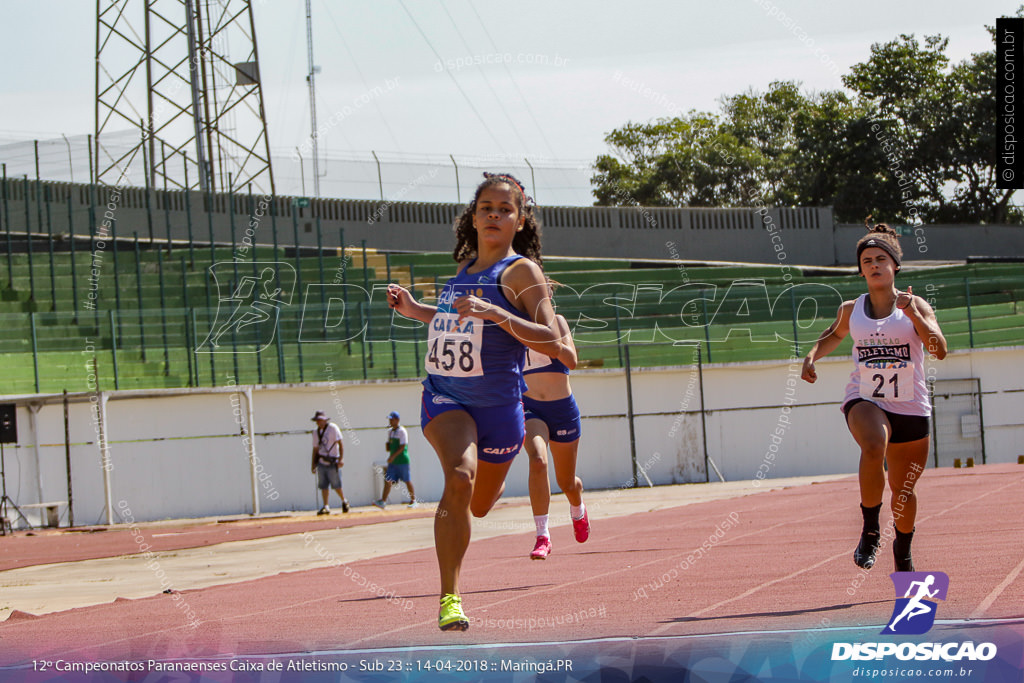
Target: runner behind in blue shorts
553 419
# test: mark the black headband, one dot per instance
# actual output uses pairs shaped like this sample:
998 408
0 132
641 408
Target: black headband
881 244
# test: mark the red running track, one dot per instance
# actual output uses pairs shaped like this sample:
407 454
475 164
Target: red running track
784 564
26 549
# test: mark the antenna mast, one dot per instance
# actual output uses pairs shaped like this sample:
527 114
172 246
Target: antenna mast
312 97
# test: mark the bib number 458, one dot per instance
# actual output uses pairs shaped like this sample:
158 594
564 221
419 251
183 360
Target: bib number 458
453 346
452 351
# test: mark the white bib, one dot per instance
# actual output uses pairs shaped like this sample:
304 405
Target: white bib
453 349
536 360
887 381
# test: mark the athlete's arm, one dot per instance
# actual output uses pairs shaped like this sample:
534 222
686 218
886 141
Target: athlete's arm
525 288
926 325
400 299
828 341
567 348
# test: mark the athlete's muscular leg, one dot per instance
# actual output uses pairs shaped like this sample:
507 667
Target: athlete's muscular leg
564 455
870 428
906 463
536 446
453 436
490 484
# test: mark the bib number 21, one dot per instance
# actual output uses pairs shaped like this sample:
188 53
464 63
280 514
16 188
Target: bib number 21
894 382
880 388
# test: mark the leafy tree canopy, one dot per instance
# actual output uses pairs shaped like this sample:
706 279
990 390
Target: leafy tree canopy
912 139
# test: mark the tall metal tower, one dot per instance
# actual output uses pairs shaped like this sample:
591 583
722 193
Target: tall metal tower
169 71
310 78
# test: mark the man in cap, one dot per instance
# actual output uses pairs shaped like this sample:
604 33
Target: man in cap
327 460
397 446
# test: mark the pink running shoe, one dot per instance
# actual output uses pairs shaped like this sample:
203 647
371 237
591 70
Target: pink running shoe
542 549
581 527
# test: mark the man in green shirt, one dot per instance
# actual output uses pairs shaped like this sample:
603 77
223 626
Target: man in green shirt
398 461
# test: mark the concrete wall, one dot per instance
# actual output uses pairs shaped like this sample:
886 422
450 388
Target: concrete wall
939 242
786 236
801 235
180 453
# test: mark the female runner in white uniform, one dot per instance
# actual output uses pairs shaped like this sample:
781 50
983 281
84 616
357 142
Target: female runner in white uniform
886 404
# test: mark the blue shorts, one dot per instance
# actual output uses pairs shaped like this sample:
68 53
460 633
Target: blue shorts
562 417
500 430
327 476
397 473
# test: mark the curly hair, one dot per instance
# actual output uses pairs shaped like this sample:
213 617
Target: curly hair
882 236
525 243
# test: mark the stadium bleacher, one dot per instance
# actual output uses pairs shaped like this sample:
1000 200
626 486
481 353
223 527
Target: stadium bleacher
146 316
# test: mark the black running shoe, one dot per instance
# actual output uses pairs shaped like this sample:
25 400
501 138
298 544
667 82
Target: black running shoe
864 555
901 551
344 506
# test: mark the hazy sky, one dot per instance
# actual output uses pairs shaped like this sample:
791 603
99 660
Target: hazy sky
569 71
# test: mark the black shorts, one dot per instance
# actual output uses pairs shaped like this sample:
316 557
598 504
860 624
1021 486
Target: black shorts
905 428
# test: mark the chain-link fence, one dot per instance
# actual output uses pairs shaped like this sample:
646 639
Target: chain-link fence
386 176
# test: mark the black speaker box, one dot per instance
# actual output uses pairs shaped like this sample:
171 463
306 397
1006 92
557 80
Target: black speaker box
8 423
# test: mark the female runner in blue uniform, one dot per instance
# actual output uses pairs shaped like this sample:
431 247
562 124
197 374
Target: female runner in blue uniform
472 411
886 404
552 417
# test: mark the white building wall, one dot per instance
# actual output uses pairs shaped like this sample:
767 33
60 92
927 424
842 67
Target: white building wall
183 454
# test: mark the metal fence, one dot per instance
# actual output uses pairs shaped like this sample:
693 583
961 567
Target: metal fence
958 431
369 175
249 336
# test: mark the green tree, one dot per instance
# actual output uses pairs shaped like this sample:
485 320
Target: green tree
702 159
839 162
780 147
763 125
912 141
938 119
670 162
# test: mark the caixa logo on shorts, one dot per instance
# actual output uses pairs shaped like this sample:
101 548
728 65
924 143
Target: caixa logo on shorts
914 614
501 451
565 432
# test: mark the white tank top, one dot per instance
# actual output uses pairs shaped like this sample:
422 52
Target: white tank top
888 362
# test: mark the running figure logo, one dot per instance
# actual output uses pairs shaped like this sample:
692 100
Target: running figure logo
248 307
914 613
